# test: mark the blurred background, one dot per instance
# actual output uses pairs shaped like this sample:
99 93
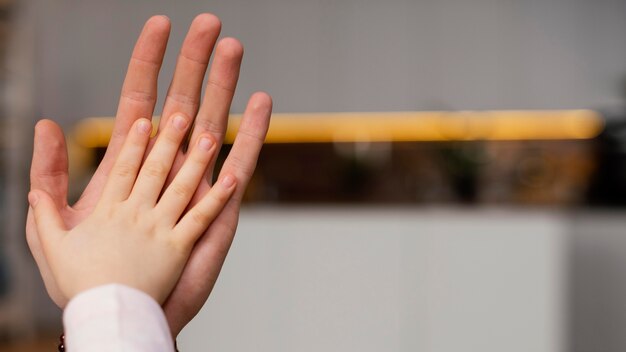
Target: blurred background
440 175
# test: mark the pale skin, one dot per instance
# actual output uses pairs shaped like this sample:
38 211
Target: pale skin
49 170
135 236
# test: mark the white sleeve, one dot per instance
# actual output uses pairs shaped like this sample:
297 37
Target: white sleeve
115 318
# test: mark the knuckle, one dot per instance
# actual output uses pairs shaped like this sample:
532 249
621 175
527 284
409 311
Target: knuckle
139 96
155 169
245 167
210 126
253 134
199 217
184 99
180 246
181 190
124 170
221 86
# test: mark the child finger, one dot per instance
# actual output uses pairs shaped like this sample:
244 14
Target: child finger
158 164
124 172
176 197
197 219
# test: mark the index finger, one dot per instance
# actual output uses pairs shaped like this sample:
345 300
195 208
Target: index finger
139 93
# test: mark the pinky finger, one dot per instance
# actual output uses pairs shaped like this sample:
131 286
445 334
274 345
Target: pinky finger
195 222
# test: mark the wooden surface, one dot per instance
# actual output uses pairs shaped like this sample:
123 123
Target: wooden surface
43 344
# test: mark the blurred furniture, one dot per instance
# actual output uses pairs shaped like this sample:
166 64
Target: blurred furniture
440 157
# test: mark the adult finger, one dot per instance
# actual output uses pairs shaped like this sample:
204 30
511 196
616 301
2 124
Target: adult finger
138 97
210 251
212 117
241 160
50 225
240 163
48 170
49 173
185 89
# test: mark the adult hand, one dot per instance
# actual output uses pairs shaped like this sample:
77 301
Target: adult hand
49 170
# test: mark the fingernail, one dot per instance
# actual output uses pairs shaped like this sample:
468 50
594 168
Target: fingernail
33 198
228 181
205 143
180 122
144 127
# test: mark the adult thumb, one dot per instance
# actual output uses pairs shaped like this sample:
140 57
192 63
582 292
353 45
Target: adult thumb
48 220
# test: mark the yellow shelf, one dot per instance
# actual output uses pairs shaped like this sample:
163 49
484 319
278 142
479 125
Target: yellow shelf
428 126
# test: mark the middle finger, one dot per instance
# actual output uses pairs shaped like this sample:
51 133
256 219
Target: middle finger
185 89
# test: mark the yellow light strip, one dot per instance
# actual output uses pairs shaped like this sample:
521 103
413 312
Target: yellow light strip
400 127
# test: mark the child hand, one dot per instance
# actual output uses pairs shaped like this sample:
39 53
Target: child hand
139 233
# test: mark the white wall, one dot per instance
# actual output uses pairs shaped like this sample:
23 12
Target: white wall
387 279
598 281
354 55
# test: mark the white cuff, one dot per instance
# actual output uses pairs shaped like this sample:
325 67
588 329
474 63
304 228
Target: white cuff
115 318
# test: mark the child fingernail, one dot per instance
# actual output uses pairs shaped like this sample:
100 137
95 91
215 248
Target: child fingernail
180 122
144 127
205 144
228 181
